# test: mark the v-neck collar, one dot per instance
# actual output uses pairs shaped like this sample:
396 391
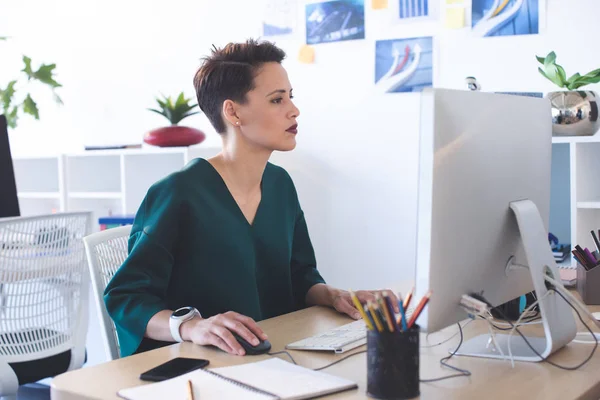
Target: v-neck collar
232 199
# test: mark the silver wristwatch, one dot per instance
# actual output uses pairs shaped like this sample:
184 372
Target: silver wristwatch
178 317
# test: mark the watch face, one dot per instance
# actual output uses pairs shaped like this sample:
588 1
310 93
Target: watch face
182 311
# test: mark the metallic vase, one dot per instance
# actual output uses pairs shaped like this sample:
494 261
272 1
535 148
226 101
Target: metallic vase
574 113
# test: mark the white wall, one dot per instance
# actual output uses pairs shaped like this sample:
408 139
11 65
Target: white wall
356 157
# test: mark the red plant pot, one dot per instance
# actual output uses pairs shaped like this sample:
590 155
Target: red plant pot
172 136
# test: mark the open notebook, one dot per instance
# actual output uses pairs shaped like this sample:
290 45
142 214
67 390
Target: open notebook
269 379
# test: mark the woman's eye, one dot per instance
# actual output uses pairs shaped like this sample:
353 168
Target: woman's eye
276 101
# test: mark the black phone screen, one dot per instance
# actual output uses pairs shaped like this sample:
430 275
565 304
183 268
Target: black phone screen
172 368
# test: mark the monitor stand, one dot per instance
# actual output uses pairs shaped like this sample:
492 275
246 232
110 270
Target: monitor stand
557 317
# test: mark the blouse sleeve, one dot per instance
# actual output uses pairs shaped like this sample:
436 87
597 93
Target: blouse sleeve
304 264
138 289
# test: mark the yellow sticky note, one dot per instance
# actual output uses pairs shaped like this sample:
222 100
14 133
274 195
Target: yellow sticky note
461 2
455 18
306 54
379 4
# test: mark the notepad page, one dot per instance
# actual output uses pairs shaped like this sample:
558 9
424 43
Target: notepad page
286 380
205 386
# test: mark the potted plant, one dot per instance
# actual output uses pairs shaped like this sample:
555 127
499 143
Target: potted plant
574 112
174 135
14 99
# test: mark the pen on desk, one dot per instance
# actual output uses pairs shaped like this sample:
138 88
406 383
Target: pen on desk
190 390
402 316
419 309
390 306
386 312
375 316
408 298
596 242
360 309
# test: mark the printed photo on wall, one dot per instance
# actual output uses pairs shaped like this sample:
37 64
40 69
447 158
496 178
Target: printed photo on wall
280 17
413 8
403 65
334 21
505 17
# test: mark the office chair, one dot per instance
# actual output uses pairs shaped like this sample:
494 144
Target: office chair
106 251
44 286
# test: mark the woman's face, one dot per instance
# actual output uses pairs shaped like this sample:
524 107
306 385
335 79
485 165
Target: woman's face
268 118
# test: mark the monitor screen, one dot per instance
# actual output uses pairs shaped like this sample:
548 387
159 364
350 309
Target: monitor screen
9 203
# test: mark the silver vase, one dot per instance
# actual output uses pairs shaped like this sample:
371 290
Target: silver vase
574 113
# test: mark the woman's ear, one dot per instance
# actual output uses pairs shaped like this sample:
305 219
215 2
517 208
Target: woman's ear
230 113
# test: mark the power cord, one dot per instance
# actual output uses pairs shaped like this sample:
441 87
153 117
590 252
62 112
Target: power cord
444 362
546 359
283 352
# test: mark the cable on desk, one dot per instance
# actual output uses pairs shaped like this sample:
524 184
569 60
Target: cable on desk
546 359
283 352
340 360
444 362
428 346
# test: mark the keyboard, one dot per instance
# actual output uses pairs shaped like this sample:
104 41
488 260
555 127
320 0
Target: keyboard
338 340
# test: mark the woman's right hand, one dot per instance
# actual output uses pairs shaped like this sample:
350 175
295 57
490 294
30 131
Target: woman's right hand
217 330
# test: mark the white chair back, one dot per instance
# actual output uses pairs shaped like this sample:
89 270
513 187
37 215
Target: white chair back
106 250
44 286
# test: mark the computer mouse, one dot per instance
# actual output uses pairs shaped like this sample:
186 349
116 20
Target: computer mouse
261 348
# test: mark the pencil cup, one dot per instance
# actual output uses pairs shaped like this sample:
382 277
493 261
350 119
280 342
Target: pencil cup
588 284
393 364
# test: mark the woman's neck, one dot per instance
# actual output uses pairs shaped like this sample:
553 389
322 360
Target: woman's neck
243 164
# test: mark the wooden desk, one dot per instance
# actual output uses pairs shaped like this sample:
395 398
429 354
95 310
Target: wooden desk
491 379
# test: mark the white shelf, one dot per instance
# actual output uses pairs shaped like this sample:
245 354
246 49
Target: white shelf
576 139
95 195
39 195
588 204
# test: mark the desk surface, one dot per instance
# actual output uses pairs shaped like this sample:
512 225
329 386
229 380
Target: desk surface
491 379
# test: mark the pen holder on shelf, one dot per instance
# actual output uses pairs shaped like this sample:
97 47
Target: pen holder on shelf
588 284
393 364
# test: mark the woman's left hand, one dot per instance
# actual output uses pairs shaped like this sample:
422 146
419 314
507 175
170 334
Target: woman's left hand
342 301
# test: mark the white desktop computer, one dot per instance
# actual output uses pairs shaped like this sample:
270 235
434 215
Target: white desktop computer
483 210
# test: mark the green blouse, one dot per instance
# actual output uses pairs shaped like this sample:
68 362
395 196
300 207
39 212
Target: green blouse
191 245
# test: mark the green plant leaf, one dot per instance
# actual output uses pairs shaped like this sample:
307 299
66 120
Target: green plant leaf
45 73
550 59
57 99
592 74
27 69
561 75
540 59
157 111
7 94
30 107
553 74
12 117
573 78
3 37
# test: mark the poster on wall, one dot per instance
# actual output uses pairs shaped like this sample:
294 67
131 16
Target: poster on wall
505 17
403 65
413 8
280 17
334 21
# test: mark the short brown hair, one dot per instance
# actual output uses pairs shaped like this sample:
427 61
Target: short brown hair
228 73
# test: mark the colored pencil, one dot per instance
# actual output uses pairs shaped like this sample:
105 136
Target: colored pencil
360 309
371 308
386 313
419 309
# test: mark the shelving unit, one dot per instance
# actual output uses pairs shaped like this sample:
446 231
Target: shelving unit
106 182
583 163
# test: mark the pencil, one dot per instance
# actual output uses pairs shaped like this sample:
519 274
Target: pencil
419 309
390 307
386 312
402 315
408 298
360 309
375 316
190 391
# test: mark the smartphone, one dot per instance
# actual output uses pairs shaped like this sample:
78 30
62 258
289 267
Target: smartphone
172 368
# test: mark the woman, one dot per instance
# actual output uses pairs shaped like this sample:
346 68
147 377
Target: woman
224 237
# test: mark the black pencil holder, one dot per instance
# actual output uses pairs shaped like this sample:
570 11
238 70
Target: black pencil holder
393 364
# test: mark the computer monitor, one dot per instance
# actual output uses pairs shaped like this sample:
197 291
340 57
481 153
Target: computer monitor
9 203
483 210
